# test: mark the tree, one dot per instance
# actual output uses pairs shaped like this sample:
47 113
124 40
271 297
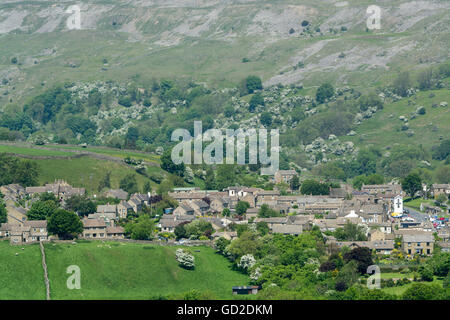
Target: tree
256 100
441 199
42 210
3 213
140 229
129 184
226 212
263 228
350 232
81 205
168 165
295 183
426 274
253 83
425 79
180 230
402 83
125 101
363 257
241 207
266 119
221 244
210 183
131 137
313 187
266 212
411 184
325 91
422 291
65 224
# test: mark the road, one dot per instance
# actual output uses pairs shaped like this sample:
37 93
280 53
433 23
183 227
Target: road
417 216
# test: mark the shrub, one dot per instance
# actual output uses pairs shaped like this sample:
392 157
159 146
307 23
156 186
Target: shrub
185 259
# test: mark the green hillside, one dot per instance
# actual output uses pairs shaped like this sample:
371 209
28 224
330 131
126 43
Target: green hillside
112 270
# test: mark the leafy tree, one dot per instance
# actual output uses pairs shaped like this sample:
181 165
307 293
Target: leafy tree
256 100
266 119
125 101
3 213
241 207
131 137
425 79
65 224
198 228
168 165
42 210
221 244
422 291
226 176
441 199
247 243
253 83
295 183
313 187
266 212
226 212
140 229
262 228
180 230
402 83
129 184
426 274
210 183
370 100
411 184
81 205
325 91
350 232
363 257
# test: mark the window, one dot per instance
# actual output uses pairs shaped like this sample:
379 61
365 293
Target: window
409 244
418 244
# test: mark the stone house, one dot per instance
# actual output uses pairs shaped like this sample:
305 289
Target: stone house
421 244
27 232
117 194
123 209
284 176
60 188
437 189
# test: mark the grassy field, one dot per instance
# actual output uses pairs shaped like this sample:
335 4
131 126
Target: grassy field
135 271
33 152
84 172
21 276
383 129
401 289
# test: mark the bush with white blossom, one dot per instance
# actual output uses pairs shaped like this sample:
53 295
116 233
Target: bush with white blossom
185 259
247 262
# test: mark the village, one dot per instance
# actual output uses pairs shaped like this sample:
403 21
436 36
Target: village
378 209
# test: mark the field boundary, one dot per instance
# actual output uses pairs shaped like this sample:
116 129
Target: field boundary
44 266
